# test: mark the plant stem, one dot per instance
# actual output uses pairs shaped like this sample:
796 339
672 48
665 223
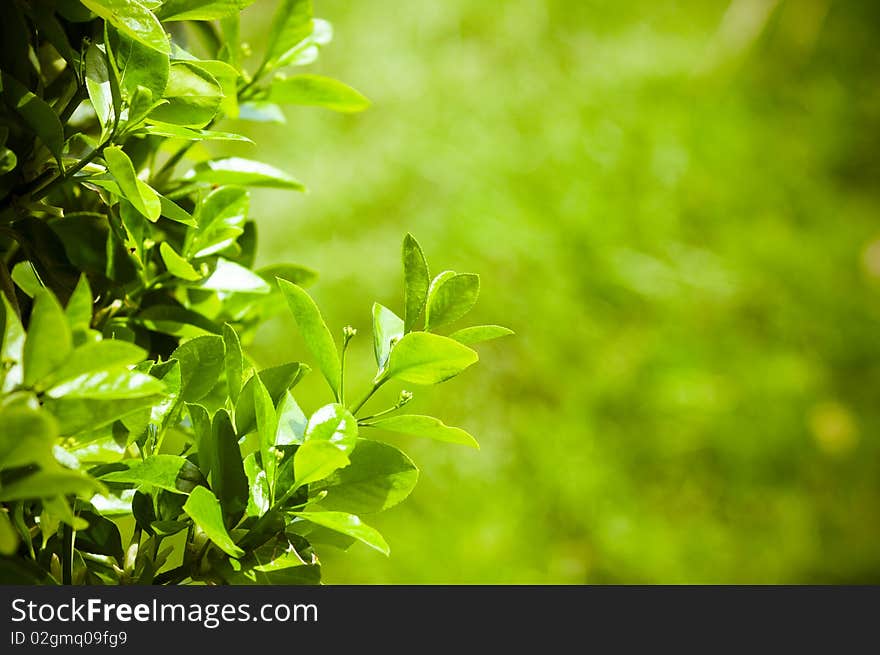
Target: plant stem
67 540
368 395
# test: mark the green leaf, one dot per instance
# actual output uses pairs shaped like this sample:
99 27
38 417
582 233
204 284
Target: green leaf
229 276
228 479
136 191
244 172
233 362
387 329
36 113
12 348
176 264
480 333
379 477
98 87
315 460
416 281
112 383
79 308
49 341
26 437
25 277
291 24
348 524
174 212
8 535
76 415
200 9
201 361
300 275
259 500
204 438
176 321
134 19
101 536
169 472
451 298
314 332
220 217
190 134
318 91
98 356
333 424
292 422
57 482
425 426
423 358
193 94
277 379
137 66
267 426
203 508
274 563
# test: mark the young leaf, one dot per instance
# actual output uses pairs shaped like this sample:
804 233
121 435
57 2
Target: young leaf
277 381
176 264
244 172
134 19
136 191
348 524
201 362
8 536
291 24
315 460
190 134
379 477
56 482
35 112
423 358
267 426
203 508
49 341
77 415
333 424
174 212
98 87
317 91
260 499
387 329
12 348
299 275
416 281
220 217
169 472
200 9
314 332
79 308
112 383
479 333
193 95
425 426
233 362
228 479
292 422
137 66
201 422
27 437
97 356
229 276
451 298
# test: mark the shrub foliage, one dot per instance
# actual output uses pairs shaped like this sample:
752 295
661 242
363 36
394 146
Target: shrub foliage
138 441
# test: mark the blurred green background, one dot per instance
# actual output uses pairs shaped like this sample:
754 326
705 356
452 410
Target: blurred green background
675 205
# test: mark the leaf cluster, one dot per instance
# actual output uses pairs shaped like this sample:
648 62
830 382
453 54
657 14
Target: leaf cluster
129 297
